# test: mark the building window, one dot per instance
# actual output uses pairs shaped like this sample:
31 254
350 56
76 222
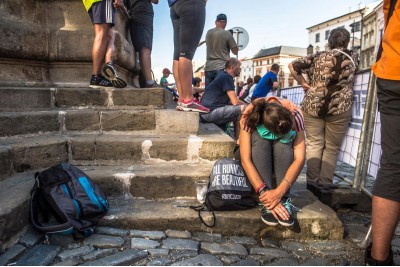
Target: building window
267 61
327 34
357 26
317 38
272 61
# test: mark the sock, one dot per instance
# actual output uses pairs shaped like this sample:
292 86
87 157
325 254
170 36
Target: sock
187 101
149 82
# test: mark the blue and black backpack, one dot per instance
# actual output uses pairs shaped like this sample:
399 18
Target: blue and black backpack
64 200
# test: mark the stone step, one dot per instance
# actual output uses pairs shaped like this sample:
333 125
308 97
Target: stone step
31 153
145 181
314 221
27 98
148 121
166 180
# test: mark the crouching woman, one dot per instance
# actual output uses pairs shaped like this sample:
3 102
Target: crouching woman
272 142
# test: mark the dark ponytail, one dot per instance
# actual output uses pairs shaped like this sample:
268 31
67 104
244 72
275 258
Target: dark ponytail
253 118
275 117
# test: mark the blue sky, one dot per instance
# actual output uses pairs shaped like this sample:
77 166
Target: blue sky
269 23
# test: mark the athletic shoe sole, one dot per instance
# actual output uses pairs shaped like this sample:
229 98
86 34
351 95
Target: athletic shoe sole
269 223
285 224
113 77
193 109
99 86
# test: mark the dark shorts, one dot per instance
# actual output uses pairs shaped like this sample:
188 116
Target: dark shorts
141 23
387 184
103 12
222 115
141 35
188 18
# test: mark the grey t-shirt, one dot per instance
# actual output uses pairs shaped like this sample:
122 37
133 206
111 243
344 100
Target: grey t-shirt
219 43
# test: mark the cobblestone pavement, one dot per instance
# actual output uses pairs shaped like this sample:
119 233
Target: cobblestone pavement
111 246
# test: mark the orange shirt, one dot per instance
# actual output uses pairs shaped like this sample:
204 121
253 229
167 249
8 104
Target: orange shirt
388 66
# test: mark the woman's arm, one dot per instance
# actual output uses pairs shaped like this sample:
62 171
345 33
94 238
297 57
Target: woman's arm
299 78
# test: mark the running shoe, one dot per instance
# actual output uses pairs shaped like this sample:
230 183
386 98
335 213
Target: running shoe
153 85
178 105
111 73
267 217
98 81
289 207
192 106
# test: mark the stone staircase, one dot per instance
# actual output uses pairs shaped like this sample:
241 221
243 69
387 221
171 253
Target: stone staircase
145 156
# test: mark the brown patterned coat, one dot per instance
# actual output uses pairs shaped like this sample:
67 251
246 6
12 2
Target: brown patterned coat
331 77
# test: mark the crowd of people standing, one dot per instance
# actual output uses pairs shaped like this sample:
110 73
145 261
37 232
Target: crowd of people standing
274 135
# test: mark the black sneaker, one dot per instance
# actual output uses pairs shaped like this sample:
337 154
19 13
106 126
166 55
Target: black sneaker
267 217
99 81
111 73
289 207
369 261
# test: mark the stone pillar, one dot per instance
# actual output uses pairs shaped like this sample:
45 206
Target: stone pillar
49 43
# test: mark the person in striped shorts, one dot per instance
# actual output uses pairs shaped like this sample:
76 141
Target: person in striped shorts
102 14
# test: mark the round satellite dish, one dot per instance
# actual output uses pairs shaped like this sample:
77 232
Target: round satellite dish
241 37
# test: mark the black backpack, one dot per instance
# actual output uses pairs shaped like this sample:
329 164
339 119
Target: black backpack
71 197
228 189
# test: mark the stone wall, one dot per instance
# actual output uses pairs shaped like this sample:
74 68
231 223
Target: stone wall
49 42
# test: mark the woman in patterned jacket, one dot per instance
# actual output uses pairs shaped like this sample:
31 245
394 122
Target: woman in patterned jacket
327 102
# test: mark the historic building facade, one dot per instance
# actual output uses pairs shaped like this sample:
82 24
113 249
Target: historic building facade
281 55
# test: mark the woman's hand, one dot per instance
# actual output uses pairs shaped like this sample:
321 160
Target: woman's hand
280 211
270 198
305 86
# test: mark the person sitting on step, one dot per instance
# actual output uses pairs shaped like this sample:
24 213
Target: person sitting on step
220 97
272 142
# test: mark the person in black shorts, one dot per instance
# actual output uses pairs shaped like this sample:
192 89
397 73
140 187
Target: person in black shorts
386 191
102 14
188 18
141 28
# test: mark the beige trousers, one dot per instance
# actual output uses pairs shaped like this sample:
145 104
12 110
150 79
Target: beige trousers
323 140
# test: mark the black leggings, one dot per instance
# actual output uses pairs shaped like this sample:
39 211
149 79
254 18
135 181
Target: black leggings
188 18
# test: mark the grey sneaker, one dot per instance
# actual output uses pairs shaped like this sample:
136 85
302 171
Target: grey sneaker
111 74
153 85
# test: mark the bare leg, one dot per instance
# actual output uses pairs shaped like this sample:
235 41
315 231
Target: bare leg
185 78
385 216
101 38
145 62
175 69
110 45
